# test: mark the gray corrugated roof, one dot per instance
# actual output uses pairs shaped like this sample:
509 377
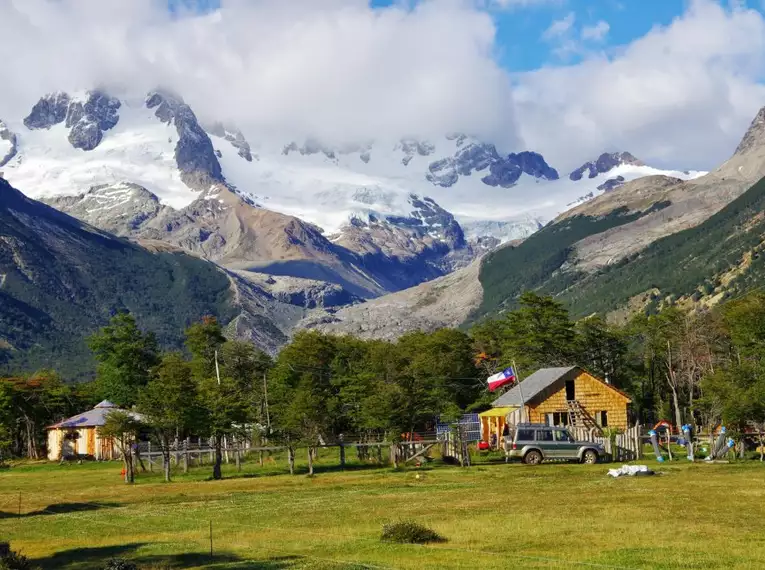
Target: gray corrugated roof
92 418
533 385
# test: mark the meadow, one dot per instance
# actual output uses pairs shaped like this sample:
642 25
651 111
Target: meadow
76 516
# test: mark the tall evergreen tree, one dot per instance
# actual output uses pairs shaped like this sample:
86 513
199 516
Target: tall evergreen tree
125 357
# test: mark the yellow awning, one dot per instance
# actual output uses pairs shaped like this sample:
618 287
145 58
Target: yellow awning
499 412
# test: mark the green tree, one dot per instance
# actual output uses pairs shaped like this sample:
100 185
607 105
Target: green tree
224 413
204 340
169 404
602 349
223 400
305 399
123 428
248 367
436 377
125 357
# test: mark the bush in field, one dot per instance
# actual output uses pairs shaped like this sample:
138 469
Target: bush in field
10 560
409 532
120 564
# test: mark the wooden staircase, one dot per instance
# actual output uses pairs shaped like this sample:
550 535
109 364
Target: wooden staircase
579 417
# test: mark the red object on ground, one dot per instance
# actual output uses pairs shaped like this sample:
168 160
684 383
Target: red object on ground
483 445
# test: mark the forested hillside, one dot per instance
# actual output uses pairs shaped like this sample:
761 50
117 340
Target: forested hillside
60 280
538 261
719 258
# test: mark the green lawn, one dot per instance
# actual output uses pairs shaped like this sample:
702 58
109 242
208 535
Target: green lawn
493 515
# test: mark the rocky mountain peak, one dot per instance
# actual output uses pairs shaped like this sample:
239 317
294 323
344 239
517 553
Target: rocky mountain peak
604 163
504 171
50 110
194 152
8 144
755 135
86 118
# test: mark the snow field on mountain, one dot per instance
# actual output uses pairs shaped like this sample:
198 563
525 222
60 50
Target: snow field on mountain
139 149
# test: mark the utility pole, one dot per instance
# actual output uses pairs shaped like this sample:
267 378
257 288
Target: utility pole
520 391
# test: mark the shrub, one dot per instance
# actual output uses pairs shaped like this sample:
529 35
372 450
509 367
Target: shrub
409 532
120 564
11 560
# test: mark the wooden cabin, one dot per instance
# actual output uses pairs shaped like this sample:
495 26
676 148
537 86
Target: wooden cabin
78 436
558 397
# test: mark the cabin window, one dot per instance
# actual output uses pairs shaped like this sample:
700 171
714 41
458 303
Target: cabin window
558 419
603 419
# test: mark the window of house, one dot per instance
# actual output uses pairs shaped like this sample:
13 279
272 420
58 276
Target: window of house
603 419
559 418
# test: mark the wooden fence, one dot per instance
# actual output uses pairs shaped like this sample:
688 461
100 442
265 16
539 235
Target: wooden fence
626 446
197 452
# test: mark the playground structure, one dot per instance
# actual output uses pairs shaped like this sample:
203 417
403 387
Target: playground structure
661 441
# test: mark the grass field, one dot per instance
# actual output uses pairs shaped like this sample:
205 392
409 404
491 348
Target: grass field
493 515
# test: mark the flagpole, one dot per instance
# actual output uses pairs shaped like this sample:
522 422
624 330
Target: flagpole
520 390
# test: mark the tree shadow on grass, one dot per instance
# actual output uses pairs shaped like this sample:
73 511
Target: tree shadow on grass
96 557
60 509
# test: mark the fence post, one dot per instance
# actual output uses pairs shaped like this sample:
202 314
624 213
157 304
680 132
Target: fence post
394 455
186 455
212 451
237 458
341 443
177 445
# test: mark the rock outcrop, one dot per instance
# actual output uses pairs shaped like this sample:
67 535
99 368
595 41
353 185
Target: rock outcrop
8 144
477 157
604 163
88 120
194 152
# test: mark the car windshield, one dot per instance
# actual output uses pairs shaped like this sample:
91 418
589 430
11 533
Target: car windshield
563 435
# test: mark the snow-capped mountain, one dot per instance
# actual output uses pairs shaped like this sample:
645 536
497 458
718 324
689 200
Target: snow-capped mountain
371 218
70 143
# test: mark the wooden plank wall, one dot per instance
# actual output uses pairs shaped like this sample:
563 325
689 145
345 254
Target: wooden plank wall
590 393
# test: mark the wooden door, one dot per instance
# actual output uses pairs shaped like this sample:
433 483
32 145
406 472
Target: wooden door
91 442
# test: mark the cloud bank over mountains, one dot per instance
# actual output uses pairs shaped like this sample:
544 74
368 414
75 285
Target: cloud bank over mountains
680 96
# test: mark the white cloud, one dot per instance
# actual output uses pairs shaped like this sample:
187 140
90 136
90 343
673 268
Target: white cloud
336 68
680 96
596 33
560 27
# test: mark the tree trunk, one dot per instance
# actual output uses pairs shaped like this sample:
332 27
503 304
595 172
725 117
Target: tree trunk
291 459
310 462
129 467
218 458
676 403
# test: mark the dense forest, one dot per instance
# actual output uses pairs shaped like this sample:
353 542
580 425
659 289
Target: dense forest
702 368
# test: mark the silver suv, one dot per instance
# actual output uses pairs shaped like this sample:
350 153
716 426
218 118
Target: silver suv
534 443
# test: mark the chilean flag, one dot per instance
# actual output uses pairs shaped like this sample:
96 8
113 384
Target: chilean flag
507 376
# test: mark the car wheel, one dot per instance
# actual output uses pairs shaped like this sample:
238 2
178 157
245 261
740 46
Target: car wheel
590 457
532 458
